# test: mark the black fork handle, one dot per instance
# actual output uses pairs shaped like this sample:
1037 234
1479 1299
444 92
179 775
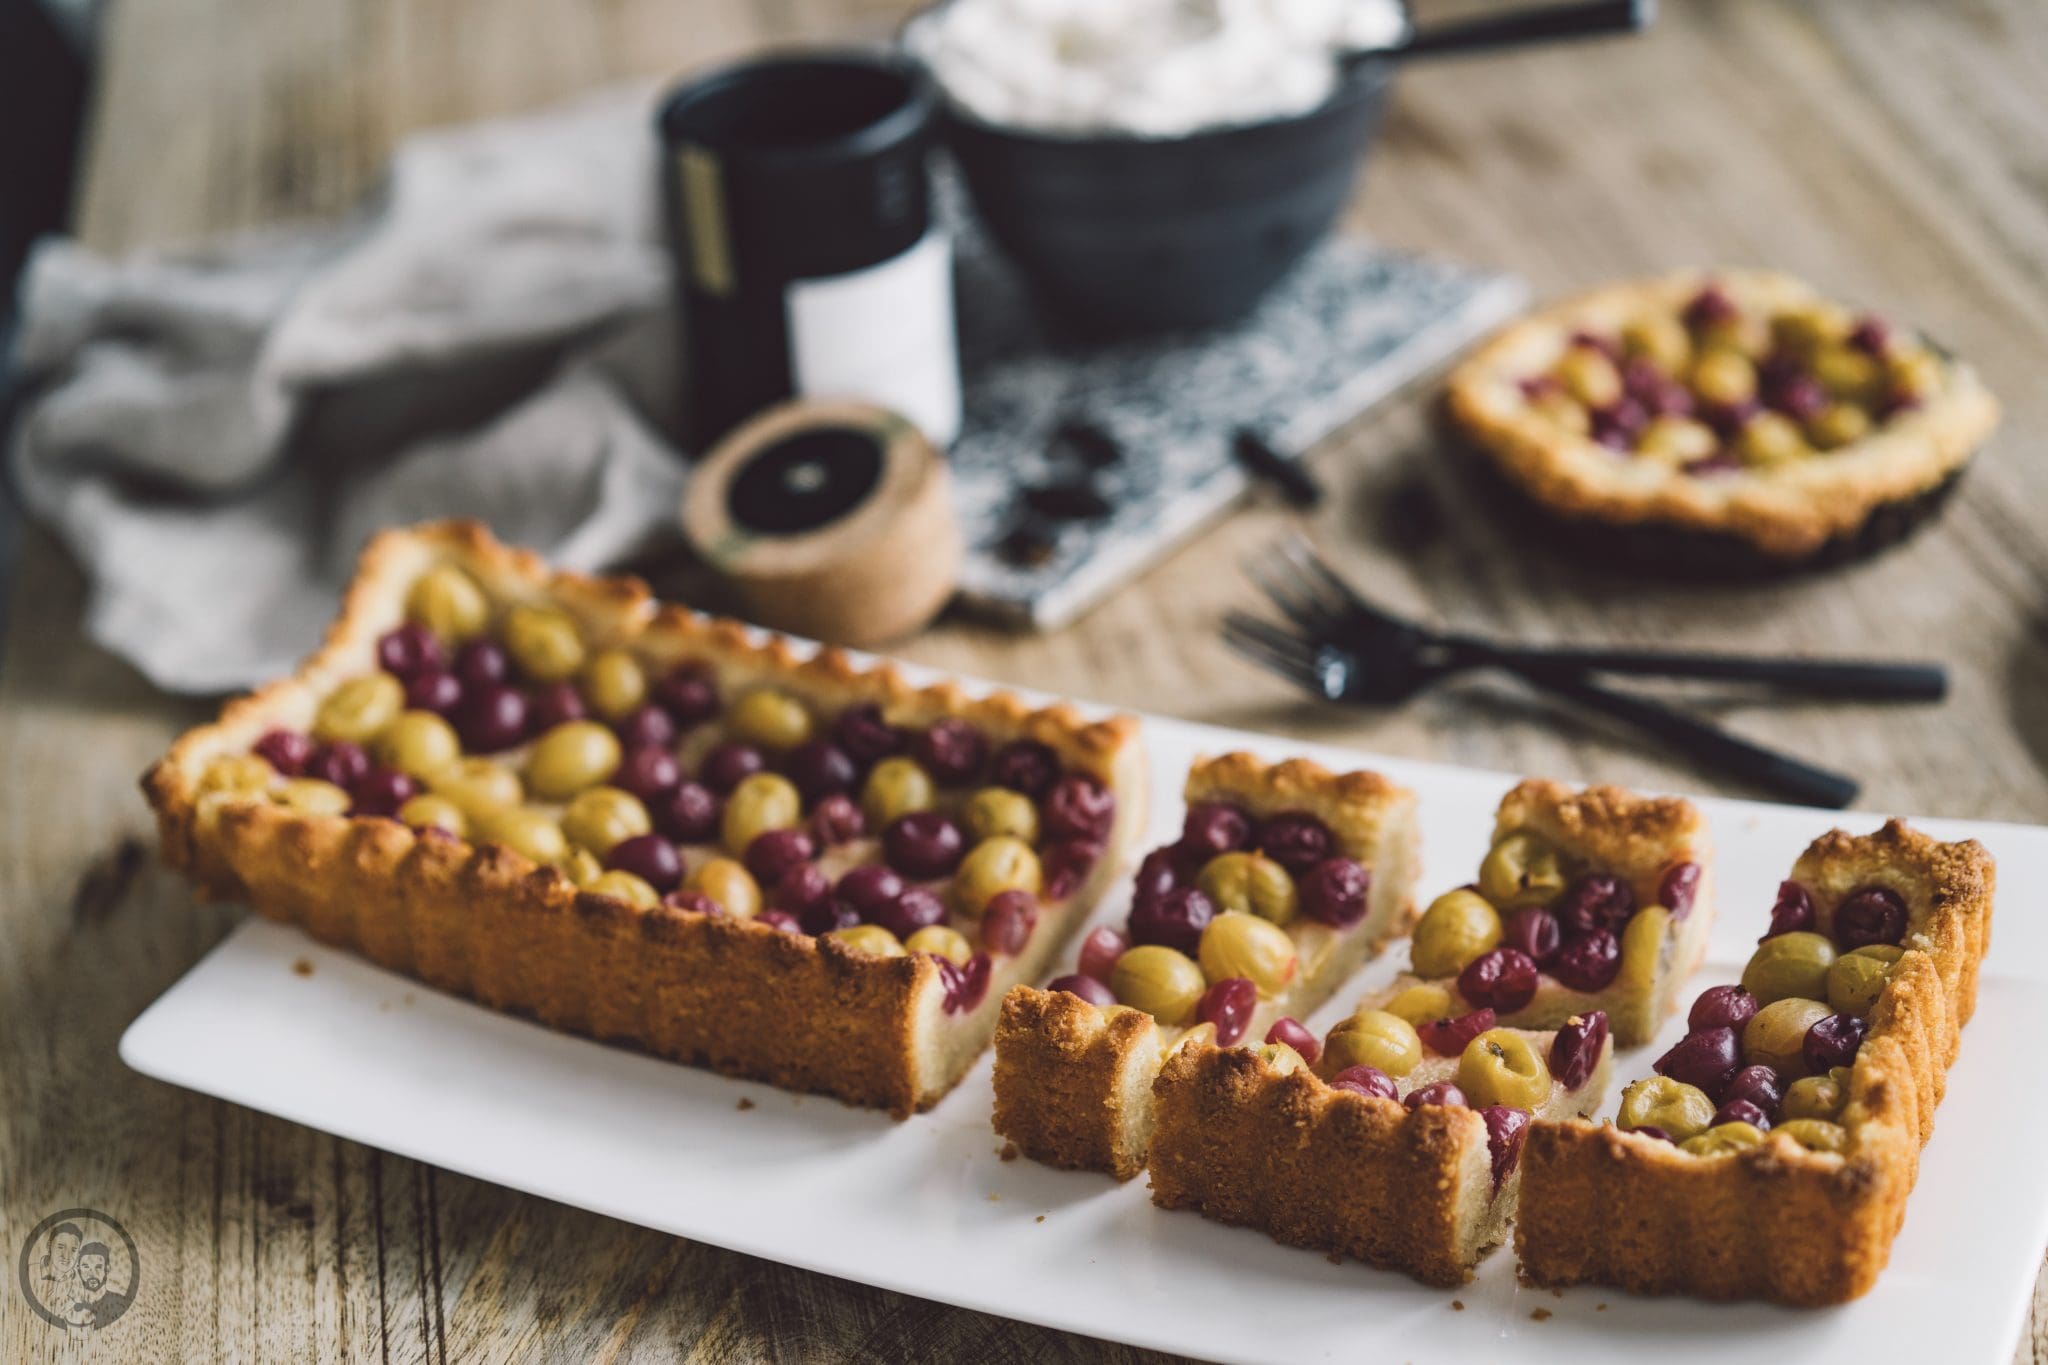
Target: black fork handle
1708 743
1834 679
1522 27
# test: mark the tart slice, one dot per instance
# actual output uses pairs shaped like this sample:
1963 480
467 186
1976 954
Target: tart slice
1383 1150
1285 878
1771 1155
1729 421
1587 900
560 798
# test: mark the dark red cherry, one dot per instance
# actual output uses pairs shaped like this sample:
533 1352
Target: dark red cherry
1212 827
553 704
1175 920
1025 765
649 774
1294 839
1596 901
1500 979
1086 987
1875 914
1742 1111
1229 1004
1534 931
779 919
1507 1128
689 694
1722 1007
1066 864
1007 921
1443 1093
650 857
773 852
1833 1042
646 727
287 751
837 820
1589 963
1705 1059
1792 913
952 750
1450 1037
1158 873
1679 887
819 769
381 791
492 718
729 764
1575 1050
409 651
688 813
697 903
1758 1085
914 909
482 663
438 691
801 890
924 844
1295 1034
339 761
1079 807
1335 892
1366 1079
966 986
826 915
864 736
870 889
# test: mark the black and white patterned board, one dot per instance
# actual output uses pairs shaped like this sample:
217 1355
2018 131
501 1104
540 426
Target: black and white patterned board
1350 325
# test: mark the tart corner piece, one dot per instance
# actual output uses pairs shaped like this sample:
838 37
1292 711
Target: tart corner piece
518 845
1401 1174
1803 1213
1269 862
1730 421
1587 899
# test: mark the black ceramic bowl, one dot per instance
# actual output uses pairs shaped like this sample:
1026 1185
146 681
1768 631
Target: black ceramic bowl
1124 233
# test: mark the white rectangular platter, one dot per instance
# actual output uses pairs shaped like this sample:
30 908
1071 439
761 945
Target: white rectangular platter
927 1207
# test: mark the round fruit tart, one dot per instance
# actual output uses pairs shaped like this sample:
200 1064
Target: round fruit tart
551 794
1783 1131
1371 1142
1736 420
1587 900
1284 879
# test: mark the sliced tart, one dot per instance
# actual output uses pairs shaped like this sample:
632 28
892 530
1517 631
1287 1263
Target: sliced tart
558 797
1771 1155
1733 420
1587 900
1374 1145
1285 879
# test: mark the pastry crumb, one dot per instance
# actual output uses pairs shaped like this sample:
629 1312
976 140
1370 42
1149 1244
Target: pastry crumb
1457 1305
1039 1219
302 967
744 1105
1539 1315
994 1198
1334 1259
1557 1293
1008 1151
1599 1308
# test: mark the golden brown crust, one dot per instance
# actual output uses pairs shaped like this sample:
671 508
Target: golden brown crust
1780 1222
1069 1077
1786 513
485 922
1073 1088
1329 1169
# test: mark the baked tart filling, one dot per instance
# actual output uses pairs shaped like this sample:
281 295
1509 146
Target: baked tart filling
1589 900
676 770
1285 878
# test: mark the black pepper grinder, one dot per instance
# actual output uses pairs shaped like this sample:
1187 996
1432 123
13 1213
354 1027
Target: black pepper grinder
807 261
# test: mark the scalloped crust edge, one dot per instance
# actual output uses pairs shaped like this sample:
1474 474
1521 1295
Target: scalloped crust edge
1073 1082
1784 519
1779 1222
736 996
1331 1170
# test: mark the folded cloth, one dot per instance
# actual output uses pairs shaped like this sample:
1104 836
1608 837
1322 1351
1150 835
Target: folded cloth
215 431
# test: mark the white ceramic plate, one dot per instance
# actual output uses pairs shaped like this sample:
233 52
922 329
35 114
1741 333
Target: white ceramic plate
926 1207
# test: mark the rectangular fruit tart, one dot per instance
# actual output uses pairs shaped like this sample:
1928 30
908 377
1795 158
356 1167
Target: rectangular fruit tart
1587 900
1394 1140
1771 1155
1286 877
556 796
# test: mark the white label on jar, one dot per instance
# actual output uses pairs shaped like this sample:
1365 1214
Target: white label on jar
884 334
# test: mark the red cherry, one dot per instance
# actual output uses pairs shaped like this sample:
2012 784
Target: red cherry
1758 1085
1534 931
1079 807
729 764
1026 766
1229 1004
1450 1037
773 852
340 762
649 857
1445 1093
1590 963
1721 1007
1596 901
1500 979
410 650
1213 827
924 844
1575 1050
916 908
1175 920
689 694
1100 951
1066 864
837 820
1679 887
1705 1059
864 735
801 890
1742 1111
1296 1035
649 774
1007 921
966 986
1087 987
1507 1129
554 704
288 751
438 691
1335 892
1875 914
1792 913
1365 1079
1833 1042
688 813
646 727
1295 839
952 750
381 791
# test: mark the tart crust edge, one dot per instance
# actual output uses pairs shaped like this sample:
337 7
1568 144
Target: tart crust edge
1779 1222
736 996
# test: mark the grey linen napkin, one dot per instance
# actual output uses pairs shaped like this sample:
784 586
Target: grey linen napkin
214 432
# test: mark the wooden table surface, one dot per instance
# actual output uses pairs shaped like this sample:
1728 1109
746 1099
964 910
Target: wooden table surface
1895 152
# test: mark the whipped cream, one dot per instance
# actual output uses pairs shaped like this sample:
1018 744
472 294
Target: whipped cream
1156 68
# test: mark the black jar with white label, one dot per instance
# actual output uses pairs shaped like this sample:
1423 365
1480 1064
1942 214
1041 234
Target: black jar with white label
807 260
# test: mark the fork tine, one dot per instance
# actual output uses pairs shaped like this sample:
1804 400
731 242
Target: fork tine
1272 637
1337 603
1274 657
1303 556
1296 597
